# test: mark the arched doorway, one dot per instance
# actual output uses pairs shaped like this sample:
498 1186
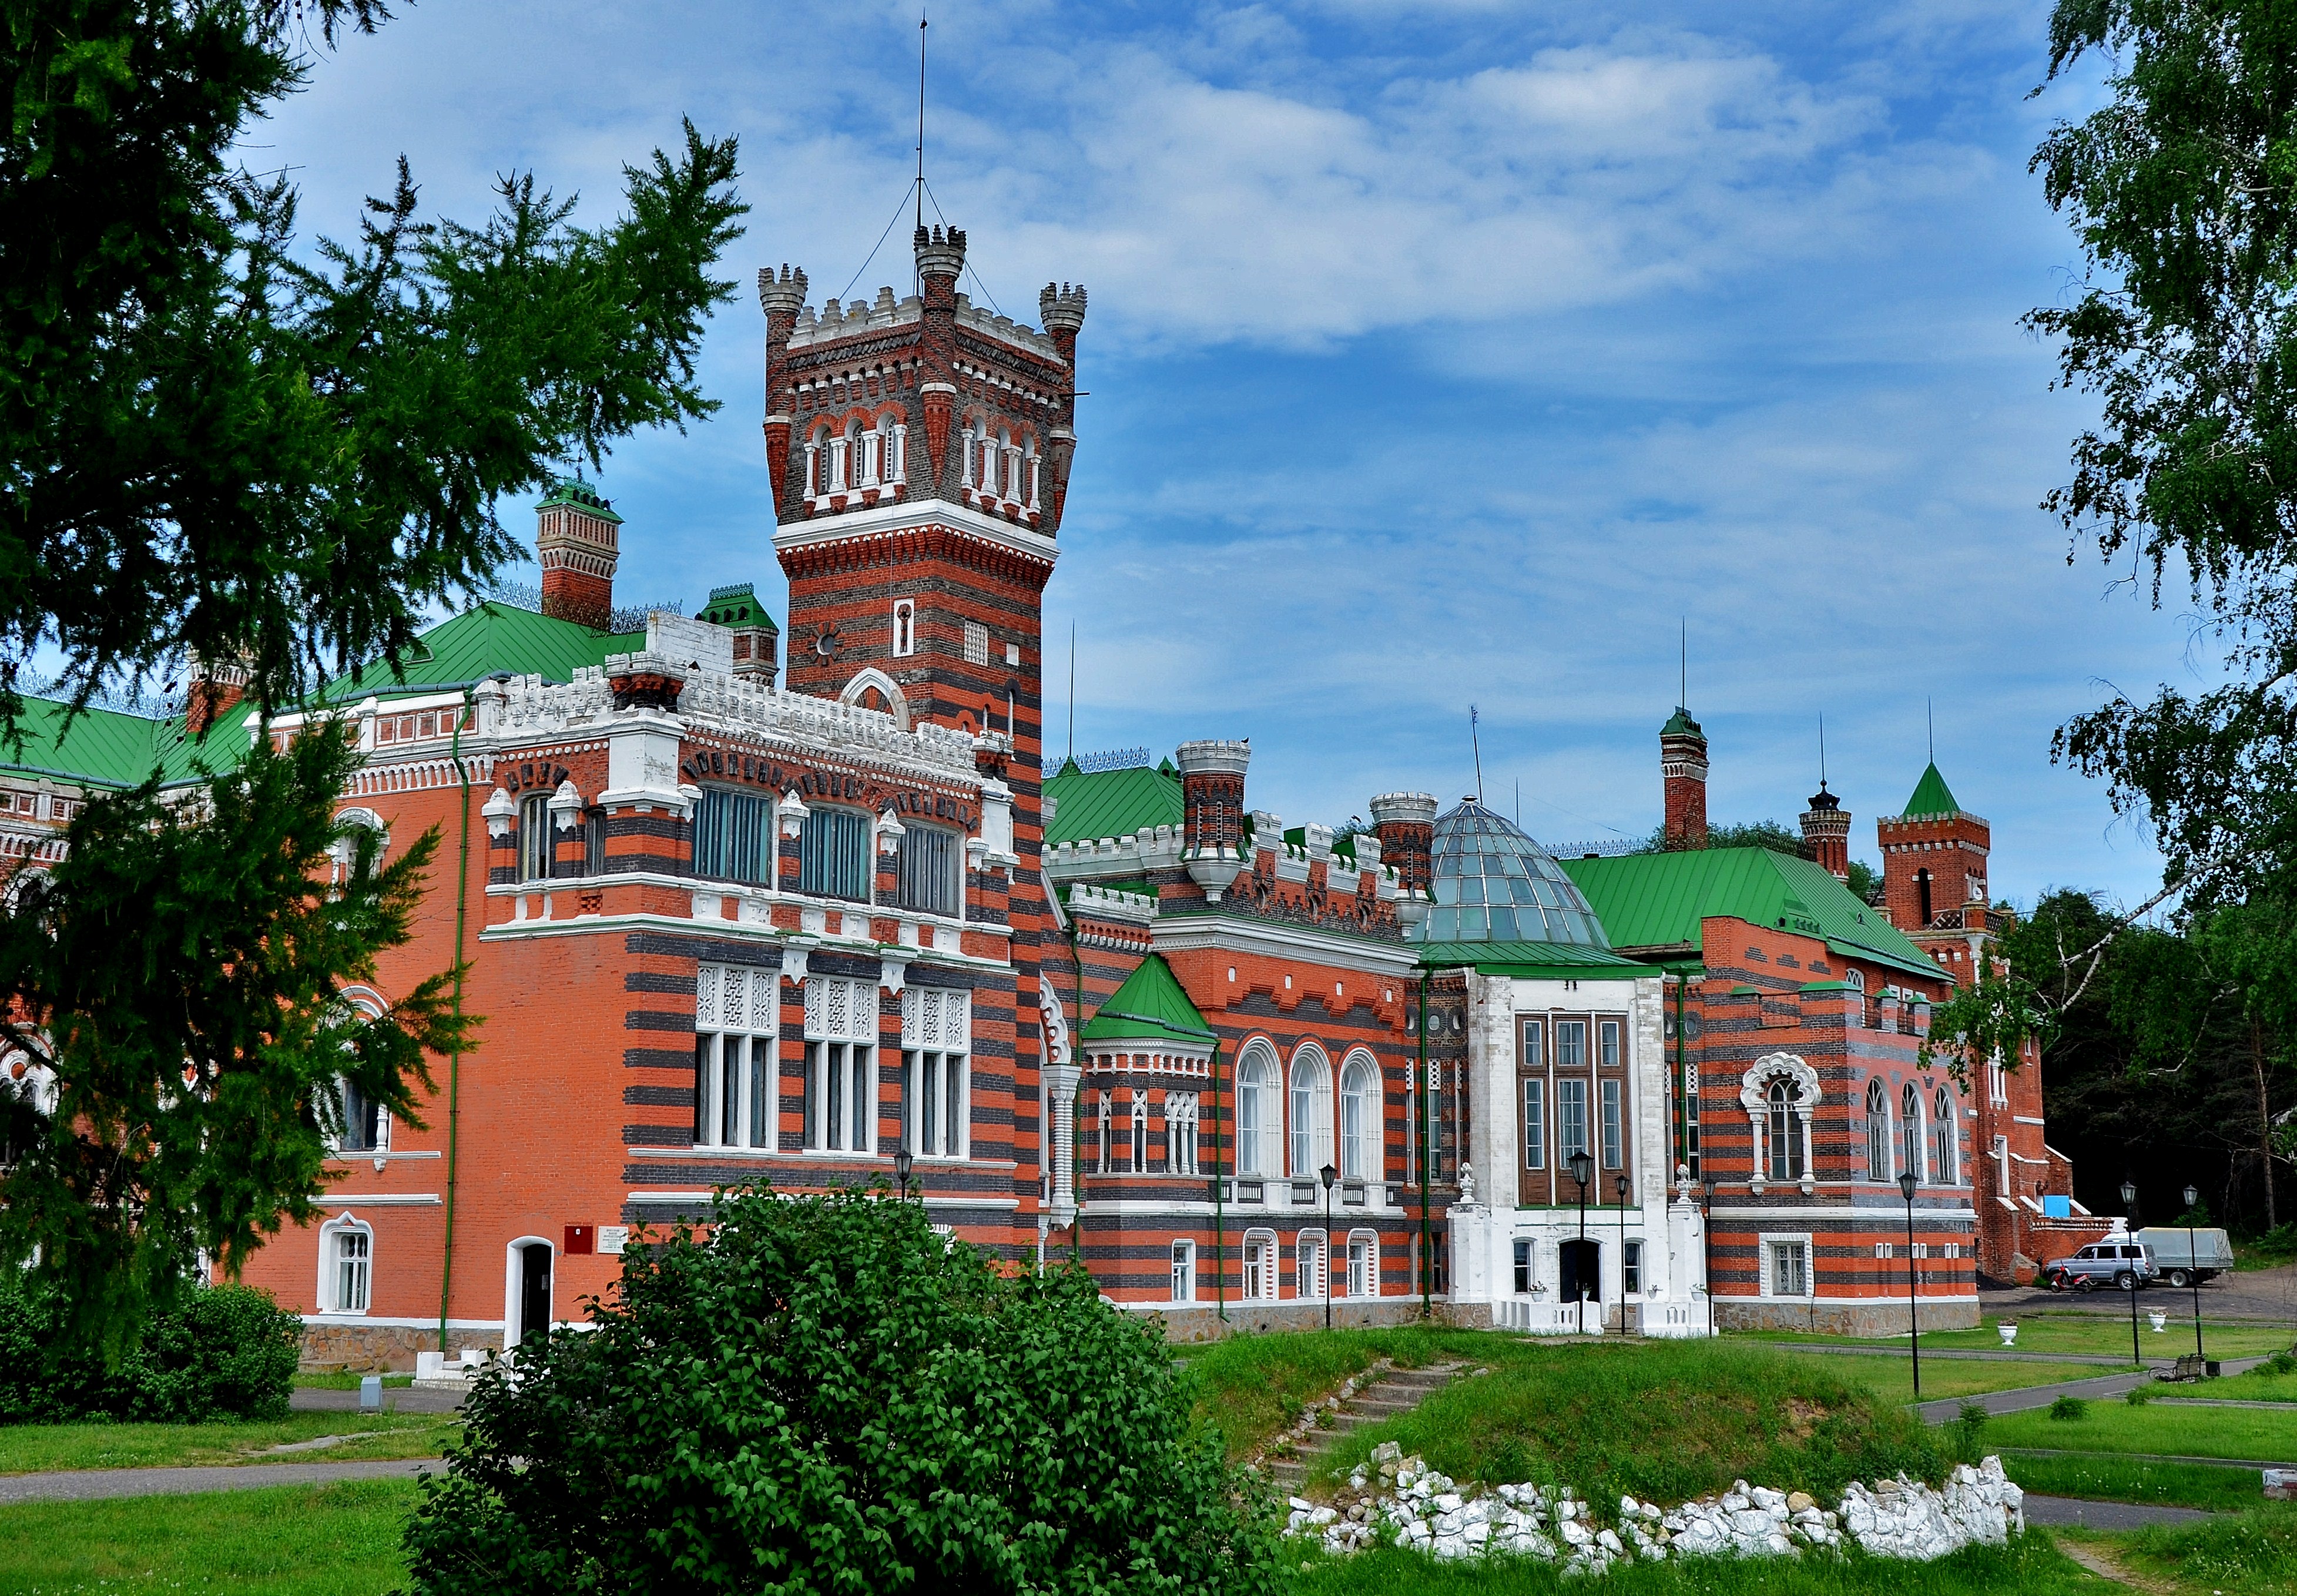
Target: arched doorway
1580 1271
530 1302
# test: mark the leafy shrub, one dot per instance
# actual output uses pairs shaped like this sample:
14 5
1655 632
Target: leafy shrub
222 1352
822 1394
1966 1436
2137 1396
2280 1363
2070 1408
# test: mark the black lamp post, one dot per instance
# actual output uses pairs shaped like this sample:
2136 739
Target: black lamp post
2130 1209
902 1164
1707 1243
1914 1302
1583 1169
1328 1174
1622 1184
2193 1268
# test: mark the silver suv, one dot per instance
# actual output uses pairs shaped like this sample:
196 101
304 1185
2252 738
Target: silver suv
2122 1263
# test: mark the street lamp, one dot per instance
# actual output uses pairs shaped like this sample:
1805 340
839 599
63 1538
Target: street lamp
2192 1270
1328 1174
1914 1303
902 1164
1622 1184
1706 1243
2129 1211
1583 1169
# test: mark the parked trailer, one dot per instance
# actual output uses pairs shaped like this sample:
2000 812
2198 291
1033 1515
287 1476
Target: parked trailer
2182 1263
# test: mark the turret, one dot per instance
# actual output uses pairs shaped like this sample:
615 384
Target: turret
577 539
1826 832
1212 809
781 299
756 638
1683 771
1405 823
941 257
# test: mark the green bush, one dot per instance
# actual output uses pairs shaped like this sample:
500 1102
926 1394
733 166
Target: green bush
222 1352
822 1394
1966 1436
2070 1408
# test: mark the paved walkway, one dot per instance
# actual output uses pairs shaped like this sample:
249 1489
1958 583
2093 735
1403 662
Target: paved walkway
2067 1512
2022 1398
2140 1457
1964 1355
91 1485
396 1399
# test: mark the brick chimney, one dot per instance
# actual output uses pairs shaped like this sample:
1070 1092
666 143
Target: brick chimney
577 537
1826 832
1683 764
215 688
757 640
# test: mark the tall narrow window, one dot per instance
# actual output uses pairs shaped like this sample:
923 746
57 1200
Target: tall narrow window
353 1250
1570 1120
1614 1149
1181 1133
841 1093
1942 1140
1311 1113
1877 1131
1523 1267
928 876
736 1019
734 836
1139 1132
534 837
1259 1139
1364 1263
1785 1131
905 628
1260 1266
834 854
1360 1119
1910 1128
1103 1164
1184 1271
366 1127
1608 1035
1631 1265
1308 1254
1535 1045
936 1039
594 843
1535 1123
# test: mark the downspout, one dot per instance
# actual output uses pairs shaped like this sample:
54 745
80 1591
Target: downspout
1685 1107
1427 1242
454 1059
1076 1051
1220 1250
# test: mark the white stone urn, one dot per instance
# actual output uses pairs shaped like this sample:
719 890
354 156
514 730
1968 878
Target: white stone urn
2160 1317
2008 1330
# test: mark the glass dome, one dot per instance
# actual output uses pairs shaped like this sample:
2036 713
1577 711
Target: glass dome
1495 885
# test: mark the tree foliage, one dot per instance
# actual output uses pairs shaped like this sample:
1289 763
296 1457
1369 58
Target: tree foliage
821 1395
221 1352
211 442
175 1000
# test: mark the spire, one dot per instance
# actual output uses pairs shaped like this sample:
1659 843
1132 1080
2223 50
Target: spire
1931 795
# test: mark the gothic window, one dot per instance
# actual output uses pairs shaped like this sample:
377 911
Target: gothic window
1360 1119
1102 1164
1877 1131
905 628
834 854
928 869
841 1083
1910 1127
897 450
841 448
737 1020
1139 1132
1942 1141
936 1039
1785 1131
811 481
1181 1133
1312 1112
1259 1116
534 837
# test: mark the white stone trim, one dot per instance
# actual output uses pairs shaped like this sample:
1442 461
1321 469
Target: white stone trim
901 515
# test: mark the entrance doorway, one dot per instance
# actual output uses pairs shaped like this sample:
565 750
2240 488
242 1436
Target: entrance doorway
533 1290
1580 1265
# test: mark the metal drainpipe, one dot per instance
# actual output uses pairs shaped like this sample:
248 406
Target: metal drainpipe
1076 1050
1427 1243
454 1059
1219 1255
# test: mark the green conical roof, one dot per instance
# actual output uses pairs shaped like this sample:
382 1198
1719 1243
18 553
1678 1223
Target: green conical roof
1932 796
1150 1004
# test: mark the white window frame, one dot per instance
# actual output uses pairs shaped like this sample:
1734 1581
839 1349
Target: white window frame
1310 1255
905 628
1631 1267
976 642
1261 1256
1773 1242
1877 1131
1260 1112
537 843
1363 1118
1308 1107
382 1118
1180 1133
330 1294
937 1055
737 1012
1363 1278
1184 1270
841 1036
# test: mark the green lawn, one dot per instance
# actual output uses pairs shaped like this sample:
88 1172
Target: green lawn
297 1541
1252 1386
2115 1426
2251 1554
2032 1567
1893 1379
2258 1385
2102 1477
37 1448
2106 1334
1666 1420
343 1380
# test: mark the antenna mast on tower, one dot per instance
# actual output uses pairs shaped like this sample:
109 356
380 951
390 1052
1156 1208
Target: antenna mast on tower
1476 744
921 120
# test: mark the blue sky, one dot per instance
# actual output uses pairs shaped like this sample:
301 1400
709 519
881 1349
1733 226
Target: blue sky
1439 353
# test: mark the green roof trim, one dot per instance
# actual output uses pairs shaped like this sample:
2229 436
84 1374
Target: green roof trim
1566 961
1088 806
1659 901
737 605
575 491
1681 725
1932 796
1151 1006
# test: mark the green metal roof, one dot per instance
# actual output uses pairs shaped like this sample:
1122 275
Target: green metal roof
579 493
490 638
1658 901
1931 795
108 748
1088 806
737 605
1680 724
1150 1004
1567 959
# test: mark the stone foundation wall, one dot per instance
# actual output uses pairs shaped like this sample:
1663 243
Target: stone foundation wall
1204 1323
381 1348
1877 1316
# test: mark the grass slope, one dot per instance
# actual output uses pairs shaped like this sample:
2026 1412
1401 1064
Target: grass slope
1892 1378
2238 1555
1252 1386
2158 1427
39 1448
1663 1421
297 1541
2213 1488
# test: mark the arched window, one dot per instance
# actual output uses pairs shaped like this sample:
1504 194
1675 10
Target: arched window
346 1264
1360 1118
1260 1265
965 454
1181 1133
1308 1259
1364 1263
1942 1141
817 465
1312 1112
1259 1116
1785 1131
1877 1131
1139 1132
1910 1128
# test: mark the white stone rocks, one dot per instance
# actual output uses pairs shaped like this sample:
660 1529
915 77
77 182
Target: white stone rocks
1430 1512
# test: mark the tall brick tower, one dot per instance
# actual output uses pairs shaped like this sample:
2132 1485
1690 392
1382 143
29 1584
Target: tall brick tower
1826 832
1683 771
919 452
577 539
1934 862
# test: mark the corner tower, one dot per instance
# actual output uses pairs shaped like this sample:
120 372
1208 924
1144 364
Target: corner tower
1934 862
1683 774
